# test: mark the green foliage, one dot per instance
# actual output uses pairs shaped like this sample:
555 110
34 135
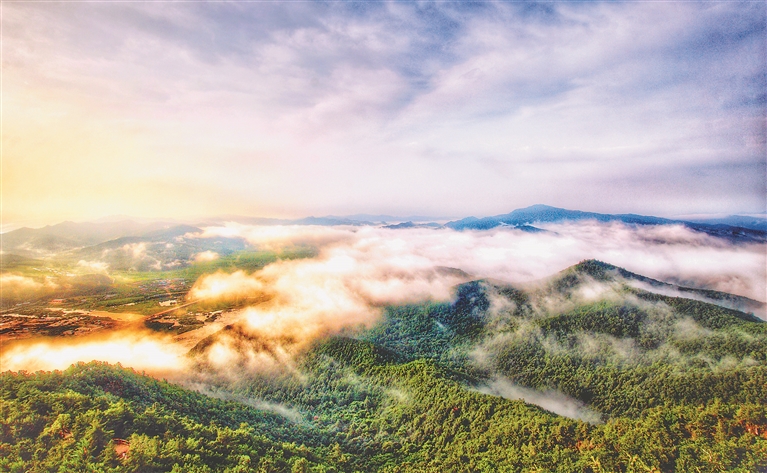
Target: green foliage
421 331
681 386
618 320
708 315
73 421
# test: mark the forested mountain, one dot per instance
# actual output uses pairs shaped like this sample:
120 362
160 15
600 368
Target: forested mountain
590 370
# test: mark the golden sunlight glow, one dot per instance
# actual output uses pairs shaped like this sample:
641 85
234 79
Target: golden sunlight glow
136 350
226 286
276 237
205 256
10 281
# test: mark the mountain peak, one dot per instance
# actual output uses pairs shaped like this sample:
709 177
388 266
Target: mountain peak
538 208
540 213
594 268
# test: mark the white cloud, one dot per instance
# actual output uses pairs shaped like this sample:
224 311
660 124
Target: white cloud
553 401
444 108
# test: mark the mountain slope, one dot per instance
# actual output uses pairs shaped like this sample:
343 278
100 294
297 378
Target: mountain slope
69 235
580 372
601 271
95 417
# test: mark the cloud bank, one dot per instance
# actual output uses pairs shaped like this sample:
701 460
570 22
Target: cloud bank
358 270
138 349
384 265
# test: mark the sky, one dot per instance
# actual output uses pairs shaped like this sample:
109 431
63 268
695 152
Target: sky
290 109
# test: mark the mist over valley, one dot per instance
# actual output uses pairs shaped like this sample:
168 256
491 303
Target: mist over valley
383 236
585 324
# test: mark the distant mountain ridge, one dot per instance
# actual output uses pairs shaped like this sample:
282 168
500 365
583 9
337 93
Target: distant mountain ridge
754 223
539 213
66 236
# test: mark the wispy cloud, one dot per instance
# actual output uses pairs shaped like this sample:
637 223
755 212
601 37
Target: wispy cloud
379 266
551 400
359 270
437 107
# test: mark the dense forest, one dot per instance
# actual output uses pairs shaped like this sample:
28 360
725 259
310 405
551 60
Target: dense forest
617 378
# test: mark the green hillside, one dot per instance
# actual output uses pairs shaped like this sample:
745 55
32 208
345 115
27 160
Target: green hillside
646 382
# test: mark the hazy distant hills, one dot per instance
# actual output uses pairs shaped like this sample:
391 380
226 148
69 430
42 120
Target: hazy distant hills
387 218
546 214
123 245
73 234
161 249
410 224
327 221
68 235
356 219
754 223
111 233
528 216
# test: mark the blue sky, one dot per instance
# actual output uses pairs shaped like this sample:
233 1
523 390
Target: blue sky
443 108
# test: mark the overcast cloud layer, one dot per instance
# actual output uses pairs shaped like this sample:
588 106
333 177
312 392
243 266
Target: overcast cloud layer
382 266
447 108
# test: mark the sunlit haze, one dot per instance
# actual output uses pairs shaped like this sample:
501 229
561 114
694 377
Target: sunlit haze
290 109
383 235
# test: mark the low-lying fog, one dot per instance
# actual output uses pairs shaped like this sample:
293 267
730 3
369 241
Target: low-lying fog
357 270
